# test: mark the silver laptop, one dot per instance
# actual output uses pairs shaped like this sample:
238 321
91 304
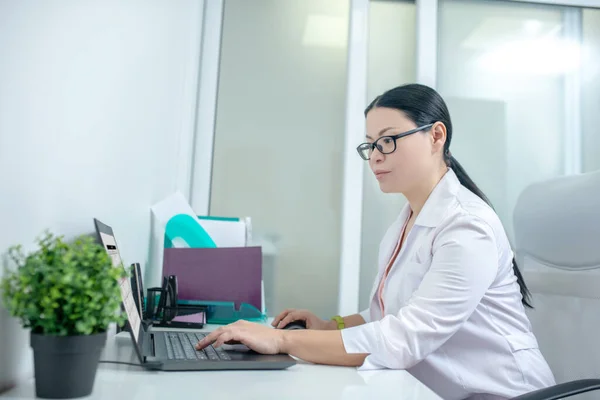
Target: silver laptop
175 350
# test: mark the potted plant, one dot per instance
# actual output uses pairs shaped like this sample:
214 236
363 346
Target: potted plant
67 294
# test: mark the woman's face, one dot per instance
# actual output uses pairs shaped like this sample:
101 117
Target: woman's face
413 159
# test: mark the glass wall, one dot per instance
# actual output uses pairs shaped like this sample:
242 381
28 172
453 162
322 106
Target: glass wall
503 71
279 141
391 62
591 90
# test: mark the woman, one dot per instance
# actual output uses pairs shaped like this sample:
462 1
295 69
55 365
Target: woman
448 302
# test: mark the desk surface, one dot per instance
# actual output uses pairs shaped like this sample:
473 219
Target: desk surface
301 381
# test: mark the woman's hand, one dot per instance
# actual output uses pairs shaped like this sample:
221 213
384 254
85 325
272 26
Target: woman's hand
259 338
311 320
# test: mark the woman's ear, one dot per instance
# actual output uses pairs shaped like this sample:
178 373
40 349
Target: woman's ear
438 137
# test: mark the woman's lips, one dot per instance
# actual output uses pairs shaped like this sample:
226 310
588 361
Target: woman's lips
381 174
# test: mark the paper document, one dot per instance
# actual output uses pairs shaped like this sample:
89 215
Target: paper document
171 206
225 233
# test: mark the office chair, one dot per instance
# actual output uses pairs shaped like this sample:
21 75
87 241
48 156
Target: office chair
557 243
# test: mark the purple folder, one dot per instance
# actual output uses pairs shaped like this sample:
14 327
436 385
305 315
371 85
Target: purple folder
232 274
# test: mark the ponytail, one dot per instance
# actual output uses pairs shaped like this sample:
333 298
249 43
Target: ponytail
464 178
467 182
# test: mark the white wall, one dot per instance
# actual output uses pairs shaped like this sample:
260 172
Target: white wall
94 97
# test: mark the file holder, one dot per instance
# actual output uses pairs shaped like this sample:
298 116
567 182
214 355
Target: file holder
223 312
226 281
184 228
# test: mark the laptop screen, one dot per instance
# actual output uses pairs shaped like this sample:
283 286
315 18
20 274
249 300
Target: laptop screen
107 238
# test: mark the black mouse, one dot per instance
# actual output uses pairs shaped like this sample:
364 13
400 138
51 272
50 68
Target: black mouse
295 325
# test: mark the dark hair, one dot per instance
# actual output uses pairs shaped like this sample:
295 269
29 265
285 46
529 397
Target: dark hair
424 106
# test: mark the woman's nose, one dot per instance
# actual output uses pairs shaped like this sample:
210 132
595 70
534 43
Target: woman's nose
376 156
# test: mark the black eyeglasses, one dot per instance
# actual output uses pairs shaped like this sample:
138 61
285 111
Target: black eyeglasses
386 144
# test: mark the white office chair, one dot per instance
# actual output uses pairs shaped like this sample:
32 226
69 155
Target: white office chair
557 241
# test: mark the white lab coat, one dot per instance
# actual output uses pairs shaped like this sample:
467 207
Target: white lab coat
453 312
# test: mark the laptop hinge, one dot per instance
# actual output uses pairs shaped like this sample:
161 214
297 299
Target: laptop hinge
151 361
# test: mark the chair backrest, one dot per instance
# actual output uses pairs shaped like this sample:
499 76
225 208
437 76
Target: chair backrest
557 243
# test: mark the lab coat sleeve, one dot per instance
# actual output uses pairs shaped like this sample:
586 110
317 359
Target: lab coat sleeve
463 266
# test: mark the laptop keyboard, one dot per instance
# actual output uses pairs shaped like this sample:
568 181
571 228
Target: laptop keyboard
182 346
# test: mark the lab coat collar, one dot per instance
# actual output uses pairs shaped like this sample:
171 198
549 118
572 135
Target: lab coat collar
439 201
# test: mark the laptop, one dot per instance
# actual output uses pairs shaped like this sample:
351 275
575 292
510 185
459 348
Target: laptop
174 350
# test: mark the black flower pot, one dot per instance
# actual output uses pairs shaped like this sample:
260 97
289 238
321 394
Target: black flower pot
65 366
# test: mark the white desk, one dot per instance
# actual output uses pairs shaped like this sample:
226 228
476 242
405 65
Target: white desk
301 381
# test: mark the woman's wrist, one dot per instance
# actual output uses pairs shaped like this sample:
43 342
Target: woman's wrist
286 341
331 325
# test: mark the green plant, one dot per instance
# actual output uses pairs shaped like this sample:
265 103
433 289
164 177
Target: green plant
63 289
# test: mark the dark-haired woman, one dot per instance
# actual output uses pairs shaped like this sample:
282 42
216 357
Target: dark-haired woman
448 303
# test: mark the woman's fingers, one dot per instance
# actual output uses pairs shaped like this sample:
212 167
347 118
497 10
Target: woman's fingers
209 339
291 317
229 334
281 316
255 336
226 336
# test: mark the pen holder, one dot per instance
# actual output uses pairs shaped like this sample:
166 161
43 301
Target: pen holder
164 310
155 296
